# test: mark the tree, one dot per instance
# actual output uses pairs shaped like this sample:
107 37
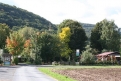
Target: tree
105 36
4 32
15 44
78 37
27 32
95 37
36 47
49 47
65 38
27 49
110 37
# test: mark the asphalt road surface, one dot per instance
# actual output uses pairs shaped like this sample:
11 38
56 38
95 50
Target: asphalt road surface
30 73
7 73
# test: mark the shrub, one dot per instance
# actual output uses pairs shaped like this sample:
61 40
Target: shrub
87 57
1 61
16 60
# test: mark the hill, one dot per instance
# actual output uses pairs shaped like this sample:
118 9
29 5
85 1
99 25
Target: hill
13 16
87 27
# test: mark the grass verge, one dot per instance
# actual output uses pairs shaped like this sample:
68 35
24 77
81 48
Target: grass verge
55 75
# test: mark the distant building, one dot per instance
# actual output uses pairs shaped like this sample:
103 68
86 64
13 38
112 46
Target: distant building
108 56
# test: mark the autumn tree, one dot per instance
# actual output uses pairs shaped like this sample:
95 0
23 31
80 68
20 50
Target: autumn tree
15 44
27 49
65 38
28 34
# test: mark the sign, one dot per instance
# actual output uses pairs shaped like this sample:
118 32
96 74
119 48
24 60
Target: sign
7 63
77 52
7 58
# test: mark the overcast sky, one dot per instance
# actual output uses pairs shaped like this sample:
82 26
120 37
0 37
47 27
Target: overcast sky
85 11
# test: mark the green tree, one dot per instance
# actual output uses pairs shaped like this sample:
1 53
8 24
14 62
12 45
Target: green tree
27 32
4 32
110 37
105 36
36 47
78 37
95 37
49 47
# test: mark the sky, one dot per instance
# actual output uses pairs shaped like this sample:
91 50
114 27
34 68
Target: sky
84 11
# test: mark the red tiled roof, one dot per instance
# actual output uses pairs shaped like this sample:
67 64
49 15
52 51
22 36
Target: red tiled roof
105 54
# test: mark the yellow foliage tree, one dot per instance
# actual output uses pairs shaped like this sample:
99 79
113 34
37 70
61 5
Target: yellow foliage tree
65 34
15 43
65 38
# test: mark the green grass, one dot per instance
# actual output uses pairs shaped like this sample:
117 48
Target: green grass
55 75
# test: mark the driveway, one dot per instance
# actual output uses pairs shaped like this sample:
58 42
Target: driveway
30 73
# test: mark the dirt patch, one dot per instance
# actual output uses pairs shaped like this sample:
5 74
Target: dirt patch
92 74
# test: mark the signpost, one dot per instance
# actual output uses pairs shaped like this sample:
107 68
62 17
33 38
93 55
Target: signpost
77 52
7 59
77 56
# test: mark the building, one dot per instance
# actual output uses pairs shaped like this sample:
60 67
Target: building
108 56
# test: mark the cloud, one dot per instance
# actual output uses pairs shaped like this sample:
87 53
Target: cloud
109 9
86 11
54 10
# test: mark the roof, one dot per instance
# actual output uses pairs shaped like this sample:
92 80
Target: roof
107 53
6 54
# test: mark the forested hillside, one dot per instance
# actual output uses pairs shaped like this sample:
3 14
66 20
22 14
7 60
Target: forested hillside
88 28
13 16
17 17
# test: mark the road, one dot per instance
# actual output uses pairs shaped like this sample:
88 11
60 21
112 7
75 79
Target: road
30 73
7 73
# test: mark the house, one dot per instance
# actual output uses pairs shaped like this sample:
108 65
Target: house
109 56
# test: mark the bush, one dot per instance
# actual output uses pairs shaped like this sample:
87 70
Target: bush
87 57
16 60
38 61
1 61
